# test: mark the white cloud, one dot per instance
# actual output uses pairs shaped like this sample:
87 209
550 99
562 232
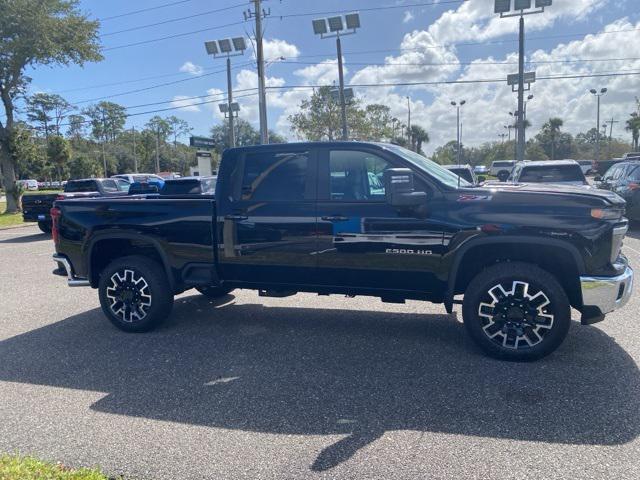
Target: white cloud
274 49
408 16
185 103
191 68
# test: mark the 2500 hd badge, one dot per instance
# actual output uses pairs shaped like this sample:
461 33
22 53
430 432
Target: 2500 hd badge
408 251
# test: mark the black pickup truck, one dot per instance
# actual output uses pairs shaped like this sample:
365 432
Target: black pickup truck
316 217
37 207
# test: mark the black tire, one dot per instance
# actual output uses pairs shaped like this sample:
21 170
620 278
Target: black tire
45 227
214 292
506 313
503 175
123 297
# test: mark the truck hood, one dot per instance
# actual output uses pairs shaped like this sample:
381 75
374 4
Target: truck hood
556 189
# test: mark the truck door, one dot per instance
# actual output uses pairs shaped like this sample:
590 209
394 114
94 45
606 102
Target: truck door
363 241
267 220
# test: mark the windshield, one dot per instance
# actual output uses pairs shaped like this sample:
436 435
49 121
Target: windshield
552 174
431 168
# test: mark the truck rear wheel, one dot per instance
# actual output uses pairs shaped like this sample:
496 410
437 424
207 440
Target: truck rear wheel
135 294
45 227
516 311
214 292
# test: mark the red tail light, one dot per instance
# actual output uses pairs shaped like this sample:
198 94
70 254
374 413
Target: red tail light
60 197
634 186
55 218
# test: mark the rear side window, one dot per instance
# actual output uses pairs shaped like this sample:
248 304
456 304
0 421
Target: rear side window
503 164
81 186
275 176
558 173
634 174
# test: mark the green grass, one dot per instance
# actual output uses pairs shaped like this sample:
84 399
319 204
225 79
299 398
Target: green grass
13 467
9 220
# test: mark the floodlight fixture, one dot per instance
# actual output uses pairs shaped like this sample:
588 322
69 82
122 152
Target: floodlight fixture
239 44
320 26
212 47
521 4
235 107
224 107
225 45
335 24
603 91
352 20
543 3
502 6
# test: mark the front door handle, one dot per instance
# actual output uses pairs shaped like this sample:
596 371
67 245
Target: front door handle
236 217
335 218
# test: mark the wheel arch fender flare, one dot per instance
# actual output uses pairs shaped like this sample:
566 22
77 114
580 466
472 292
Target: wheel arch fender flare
514 239
155 243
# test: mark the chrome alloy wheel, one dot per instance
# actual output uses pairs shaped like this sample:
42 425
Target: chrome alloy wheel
129 296
516 318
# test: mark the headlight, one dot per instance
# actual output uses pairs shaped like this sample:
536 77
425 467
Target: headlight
606 213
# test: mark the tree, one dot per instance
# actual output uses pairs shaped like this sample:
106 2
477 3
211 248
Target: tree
418 136
59 153
177 128
553 127
633 126
77 127
48 110
32 33
84 166
107 120
246 135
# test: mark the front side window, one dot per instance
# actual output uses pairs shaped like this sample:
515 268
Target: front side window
110 186
356 176
275 176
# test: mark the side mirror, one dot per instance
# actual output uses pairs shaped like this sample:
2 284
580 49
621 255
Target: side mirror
481 178
399 189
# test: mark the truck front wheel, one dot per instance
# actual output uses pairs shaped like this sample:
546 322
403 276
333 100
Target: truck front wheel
516 311
135 294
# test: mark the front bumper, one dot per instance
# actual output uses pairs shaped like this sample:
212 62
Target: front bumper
602 295
72 280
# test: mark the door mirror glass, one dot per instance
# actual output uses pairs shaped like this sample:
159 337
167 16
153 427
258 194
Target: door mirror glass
399 188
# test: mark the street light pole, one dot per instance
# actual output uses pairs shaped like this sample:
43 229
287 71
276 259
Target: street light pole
232 135
598 95
458 135
520 121
343 103
135 159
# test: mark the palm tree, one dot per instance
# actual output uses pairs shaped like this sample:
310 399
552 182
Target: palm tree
633 126
553 127
418 136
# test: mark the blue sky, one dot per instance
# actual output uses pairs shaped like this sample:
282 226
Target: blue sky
394 45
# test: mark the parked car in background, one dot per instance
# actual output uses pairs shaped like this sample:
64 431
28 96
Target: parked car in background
190 186
31 185
587 166
138 177
564 172
601 166
632 156
465 172
502 169
169 175
624 179
37 208
481 170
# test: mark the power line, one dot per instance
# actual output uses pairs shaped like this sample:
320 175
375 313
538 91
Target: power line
168 37
172 20
133 12
371 9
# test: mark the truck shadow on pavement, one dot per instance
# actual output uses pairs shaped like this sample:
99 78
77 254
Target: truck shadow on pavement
36 237
304 371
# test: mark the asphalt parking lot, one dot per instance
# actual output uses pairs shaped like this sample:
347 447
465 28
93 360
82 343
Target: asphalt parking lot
303 387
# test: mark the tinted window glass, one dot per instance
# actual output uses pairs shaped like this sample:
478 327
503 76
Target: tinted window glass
503 164
123 185
551 174
275 176
356 175
81 186
110 186
634 174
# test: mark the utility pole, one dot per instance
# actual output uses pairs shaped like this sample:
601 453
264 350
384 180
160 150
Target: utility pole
258 13
520 117
409 122
135 159
158 150
502 137
104 160
343 102
598 95
457 106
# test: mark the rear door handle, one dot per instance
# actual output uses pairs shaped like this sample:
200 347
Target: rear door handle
236 217
335 218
